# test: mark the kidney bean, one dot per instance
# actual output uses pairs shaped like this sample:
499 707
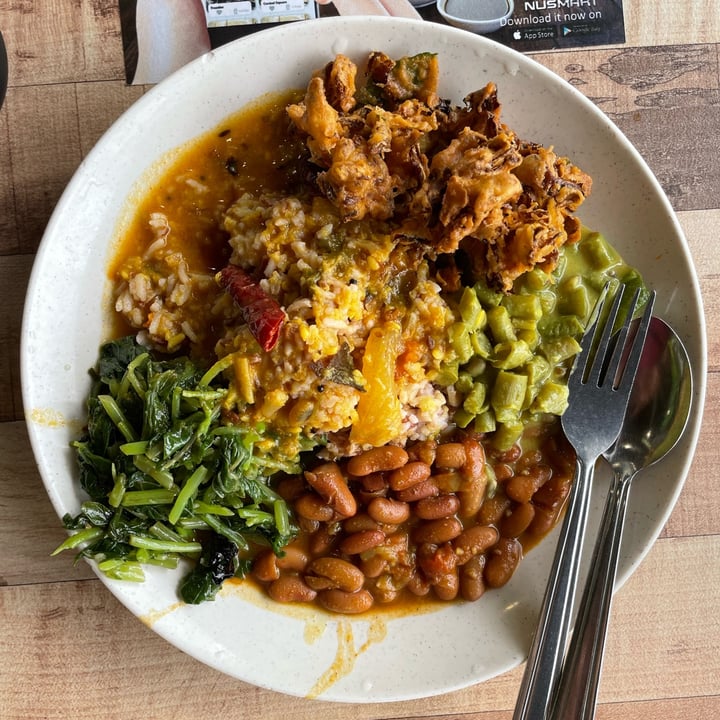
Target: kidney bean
329 483
420 491
501 562
307 525
447 586
474 465
359 522
503 472
472 491
290 588
418 585
291 487
510 455
410 474
387 511
312 507
435 494
437 531
553 493
265 567
374 483
346 603
379 459
521 488
359 542
543 521
493 509
515 524
321 541
471 496
373 566
337 572
384 589
450 455
294 558
472 582
424 451
434 508
474 541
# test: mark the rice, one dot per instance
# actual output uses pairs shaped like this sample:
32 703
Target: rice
336 284
336 281
159 295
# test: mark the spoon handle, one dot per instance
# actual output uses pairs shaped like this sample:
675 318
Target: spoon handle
580 679
548 647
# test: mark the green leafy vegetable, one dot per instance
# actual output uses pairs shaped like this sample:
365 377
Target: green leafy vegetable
168 478
340 369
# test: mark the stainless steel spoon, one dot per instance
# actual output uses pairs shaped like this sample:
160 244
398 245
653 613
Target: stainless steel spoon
656 418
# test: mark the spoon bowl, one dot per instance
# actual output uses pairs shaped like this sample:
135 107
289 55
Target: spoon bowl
656 417
659 405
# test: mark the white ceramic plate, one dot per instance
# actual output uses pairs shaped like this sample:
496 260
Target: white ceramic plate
299 651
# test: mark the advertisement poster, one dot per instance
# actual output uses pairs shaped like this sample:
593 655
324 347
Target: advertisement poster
556 24
159 36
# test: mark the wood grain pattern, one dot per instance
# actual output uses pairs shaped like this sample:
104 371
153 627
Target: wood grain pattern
70 650
51 618
659 23
8 227
45 152
14 274
22 497
665 100
62 41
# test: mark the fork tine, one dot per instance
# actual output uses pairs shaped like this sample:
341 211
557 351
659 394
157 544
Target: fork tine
582 359
618 353
638 342
598 363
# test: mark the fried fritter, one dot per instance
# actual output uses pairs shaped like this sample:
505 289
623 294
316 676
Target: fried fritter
447 177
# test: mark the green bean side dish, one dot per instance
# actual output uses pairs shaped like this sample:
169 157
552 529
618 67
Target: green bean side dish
169 479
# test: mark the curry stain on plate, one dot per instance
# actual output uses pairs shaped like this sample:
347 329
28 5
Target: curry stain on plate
316 622
149 619
51 418
347 654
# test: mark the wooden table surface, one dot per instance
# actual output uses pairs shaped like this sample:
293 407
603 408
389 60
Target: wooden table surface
68 649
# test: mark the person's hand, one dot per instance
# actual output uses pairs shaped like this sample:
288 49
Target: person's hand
170 33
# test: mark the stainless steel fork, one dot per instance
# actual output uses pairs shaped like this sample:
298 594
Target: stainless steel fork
599 385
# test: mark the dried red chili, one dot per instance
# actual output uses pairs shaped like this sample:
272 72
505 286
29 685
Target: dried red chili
260 311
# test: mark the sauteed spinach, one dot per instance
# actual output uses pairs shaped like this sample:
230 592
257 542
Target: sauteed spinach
168 478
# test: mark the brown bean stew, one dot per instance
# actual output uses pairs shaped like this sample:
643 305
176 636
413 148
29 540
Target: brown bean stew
440 520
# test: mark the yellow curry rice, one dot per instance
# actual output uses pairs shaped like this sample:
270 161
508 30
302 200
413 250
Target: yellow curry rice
337 283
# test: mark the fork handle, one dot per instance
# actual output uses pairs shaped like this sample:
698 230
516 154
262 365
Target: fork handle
580 680
548 647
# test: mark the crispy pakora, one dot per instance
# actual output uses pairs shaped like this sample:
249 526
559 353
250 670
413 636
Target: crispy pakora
453 178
